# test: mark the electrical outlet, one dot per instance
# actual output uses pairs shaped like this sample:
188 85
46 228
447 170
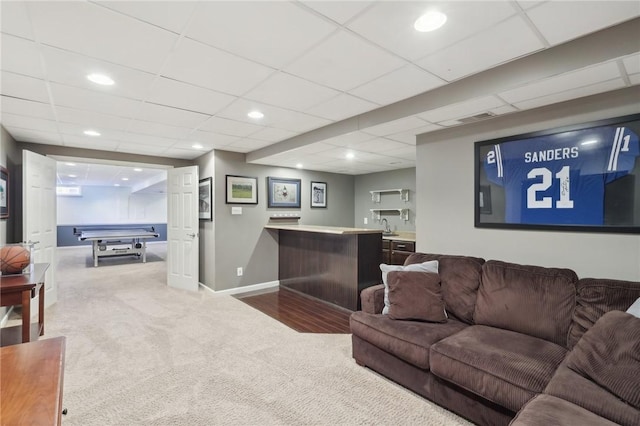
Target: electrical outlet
239 272
366 220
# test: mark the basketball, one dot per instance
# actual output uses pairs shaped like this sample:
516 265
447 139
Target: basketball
13 259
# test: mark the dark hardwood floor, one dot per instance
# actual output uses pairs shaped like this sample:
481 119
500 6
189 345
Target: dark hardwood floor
302 313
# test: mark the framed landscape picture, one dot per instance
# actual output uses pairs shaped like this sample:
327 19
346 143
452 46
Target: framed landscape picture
4 193
319 194
583 177
241 189
205 206
283 192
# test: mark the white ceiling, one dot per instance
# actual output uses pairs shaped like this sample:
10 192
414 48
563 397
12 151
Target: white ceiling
189 72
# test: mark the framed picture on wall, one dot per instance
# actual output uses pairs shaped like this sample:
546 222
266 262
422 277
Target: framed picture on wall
318 194
584 177
4 193
205 205
241 189
283 192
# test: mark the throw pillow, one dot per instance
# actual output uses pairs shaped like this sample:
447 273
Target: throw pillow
431 266
635 308
415 296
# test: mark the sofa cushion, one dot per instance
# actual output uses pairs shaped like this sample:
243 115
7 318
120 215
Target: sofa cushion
430 266
609 354
415 296
408 340
531 300
460 279
548 410
595 298
571 386
502 366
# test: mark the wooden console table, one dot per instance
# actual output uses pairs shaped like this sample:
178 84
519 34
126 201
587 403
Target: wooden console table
31 382
19 290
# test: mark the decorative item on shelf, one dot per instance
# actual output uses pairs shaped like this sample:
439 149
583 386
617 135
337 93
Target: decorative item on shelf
283 192
375 194
15 258
241 189
318 194
205 205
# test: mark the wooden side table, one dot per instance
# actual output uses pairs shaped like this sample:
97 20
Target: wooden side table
19 290
31 381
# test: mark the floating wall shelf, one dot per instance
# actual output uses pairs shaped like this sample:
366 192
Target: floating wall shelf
375 195
377 213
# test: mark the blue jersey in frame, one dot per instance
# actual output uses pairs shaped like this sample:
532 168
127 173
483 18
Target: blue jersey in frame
560 179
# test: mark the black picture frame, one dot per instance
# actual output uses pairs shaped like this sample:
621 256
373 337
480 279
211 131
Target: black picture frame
241 189
283 192
5 193
584 177
318 195
205 199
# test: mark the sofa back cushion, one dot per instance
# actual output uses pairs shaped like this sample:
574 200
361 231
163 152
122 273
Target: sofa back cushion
460 279
528 299
609 354
595 297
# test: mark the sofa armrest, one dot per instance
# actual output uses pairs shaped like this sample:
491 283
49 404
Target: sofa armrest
372 299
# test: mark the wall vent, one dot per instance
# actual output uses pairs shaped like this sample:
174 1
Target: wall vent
477 117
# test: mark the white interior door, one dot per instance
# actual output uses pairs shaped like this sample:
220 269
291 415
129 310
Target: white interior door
39 215
182 228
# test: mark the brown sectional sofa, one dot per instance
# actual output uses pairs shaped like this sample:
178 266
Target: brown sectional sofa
508 341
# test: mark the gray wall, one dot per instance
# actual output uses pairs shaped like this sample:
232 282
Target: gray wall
11 159
241 240
446 206
395 179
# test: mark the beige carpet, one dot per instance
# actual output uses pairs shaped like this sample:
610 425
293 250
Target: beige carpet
139 352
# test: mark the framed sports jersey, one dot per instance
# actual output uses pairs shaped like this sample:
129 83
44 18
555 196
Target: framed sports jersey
578 178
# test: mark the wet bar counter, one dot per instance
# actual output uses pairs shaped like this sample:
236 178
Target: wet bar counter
330 263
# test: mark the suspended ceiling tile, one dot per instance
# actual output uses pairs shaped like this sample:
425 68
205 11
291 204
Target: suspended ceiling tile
247 143
171 116
571 94
271 134
390 24
484 50
341 107
408 153
26 108
181 153
380 145
171 15
560 21
35 136
563 82
146 139
229 127
15 20
158 129
186 96
21 56
92 30
399 84
339 11
634 79
632 64
91 119
344 61
72 69
395 126
215 140
313 148
32 123
89 142
24 87
201 65
409 137
462 109
241 28
288 91
78 130
73 97
139 149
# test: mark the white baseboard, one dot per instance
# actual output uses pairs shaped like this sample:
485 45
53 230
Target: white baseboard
245 289
5 318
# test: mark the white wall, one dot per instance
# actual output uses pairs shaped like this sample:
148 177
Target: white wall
112 205
445 183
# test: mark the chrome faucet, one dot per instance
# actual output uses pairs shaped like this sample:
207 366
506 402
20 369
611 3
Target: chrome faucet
387 229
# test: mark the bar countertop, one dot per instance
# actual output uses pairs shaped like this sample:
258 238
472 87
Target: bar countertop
322 229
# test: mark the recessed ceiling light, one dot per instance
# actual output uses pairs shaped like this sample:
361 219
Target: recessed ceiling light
125 178
91 133
255 114
116 184
103 80
299 165
70 164
137 169
72 176
350 155
197 146
430 21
